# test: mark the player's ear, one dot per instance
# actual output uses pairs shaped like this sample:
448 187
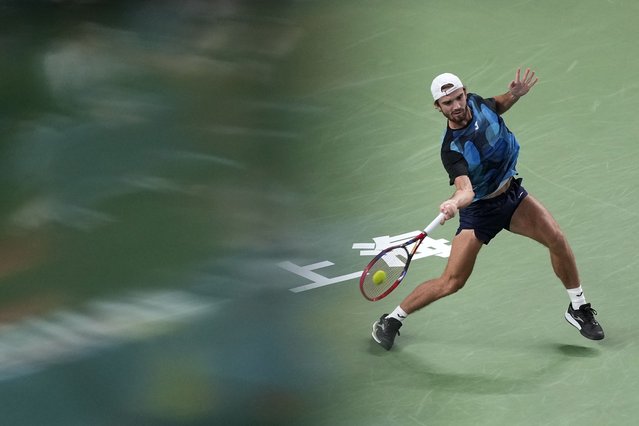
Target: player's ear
436 105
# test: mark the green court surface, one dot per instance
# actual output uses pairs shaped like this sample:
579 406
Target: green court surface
190 192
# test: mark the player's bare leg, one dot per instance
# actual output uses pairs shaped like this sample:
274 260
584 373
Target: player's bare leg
533 220
461 261
463 253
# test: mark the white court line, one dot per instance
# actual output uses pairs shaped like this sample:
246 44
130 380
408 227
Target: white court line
317 279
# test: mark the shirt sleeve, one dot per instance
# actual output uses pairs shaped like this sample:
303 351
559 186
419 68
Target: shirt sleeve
454 163
490 102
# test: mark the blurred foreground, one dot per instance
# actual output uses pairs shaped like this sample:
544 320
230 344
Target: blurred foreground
148 166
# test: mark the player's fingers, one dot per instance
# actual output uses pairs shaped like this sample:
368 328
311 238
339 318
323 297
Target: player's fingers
530 77
446 215
449 211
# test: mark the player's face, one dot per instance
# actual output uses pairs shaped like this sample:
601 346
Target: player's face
454 108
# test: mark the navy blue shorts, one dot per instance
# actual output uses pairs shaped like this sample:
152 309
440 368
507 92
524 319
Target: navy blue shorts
488 217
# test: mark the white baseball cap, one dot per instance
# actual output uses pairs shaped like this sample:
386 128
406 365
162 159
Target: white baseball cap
444 80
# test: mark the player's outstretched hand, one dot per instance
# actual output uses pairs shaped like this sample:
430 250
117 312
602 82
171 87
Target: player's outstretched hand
519 87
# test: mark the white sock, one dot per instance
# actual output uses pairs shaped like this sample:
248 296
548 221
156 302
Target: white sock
577 297
398 314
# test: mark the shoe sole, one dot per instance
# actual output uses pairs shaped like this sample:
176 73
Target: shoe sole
576 324
373 333
375 337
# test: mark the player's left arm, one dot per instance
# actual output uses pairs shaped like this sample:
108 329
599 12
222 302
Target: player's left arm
516 89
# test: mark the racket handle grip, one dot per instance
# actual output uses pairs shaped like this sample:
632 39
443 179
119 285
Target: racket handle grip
434 224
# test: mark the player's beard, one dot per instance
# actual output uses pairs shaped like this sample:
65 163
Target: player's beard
460 117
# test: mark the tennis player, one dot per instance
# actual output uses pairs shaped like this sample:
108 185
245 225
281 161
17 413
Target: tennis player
480 155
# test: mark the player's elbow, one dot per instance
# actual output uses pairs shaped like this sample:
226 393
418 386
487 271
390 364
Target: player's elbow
464 193
468 195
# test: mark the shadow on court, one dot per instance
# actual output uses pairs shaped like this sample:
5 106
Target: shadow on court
475 374
577 351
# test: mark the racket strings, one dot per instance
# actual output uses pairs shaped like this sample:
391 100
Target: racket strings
385 272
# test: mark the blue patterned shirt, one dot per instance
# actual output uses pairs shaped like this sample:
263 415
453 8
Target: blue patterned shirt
485 150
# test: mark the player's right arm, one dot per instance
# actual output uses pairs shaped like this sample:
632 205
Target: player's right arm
461 198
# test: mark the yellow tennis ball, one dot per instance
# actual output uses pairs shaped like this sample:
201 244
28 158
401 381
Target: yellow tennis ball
379 277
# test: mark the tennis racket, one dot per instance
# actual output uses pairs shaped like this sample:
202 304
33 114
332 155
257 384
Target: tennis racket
387 270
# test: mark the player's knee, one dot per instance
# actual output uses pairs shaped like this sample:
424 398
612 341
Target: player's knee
556 239
454 284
